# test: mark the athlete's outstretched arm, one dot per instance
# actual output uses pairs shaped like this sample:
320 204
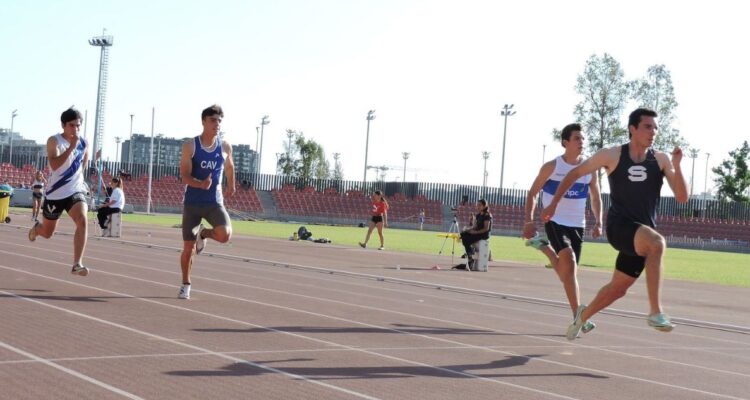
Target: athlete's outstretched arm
605 158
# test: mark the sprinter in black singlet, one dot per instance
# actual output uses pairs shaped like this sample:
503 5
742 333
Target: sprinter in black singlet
635 173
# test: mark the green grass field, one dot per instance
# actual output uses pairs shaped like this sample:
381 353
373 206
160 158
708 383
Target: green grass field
691 265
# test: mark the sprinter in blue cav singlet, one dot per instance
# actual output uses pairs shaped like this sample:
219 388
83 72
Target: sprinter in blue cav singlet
203 164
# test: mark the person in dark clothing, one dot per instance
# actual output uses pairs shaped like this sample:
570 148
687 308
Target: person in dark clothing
479 231
636 173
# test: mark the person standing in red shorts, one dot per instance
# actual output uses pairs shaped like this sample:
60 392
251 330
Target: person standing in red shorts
379 218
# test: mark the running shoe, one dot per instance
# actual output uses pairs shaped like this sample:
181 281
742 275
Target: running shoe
575 328
184 292
660 322
363 245
381 248
33 233
537 242
588 327
549 266
80 270
200 242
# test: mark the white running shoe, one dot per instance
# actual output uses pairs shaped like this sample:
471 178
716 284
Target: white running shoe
381 248
575 328
200 243
184 292
79 269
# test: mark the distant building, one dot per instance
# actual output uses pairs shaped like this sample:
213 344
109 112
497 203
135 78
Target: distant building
245 158
167 152
25 151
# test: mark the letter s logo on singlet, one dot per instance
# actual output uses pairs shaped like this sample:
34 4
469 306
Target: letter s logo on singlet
637 173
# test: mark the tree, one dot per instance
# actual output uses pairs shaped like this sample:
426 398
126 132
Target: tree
338 172
733 177
304 158
655 91
287 162
605 93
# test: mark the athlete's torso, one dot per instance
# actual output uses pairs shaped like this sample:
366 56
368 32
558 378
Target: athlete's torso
206 161
571 210
67 180
635 188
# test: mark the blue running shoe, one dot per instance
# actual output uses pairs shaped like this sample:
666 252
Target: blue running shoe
660 322
588 327
537 242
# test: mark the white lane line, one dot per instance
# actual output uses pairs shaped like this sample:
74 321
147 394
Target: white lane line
576 344
299 351
176 342
658 383
533 300
613 312
428 366
643 328
245 352
68 370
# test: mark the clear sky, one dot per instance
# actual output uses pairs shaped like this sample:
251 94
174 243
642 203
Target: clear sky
436 72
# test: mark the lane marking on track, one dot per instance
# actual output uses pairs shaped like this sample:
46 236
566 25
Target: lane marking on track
628 377
175 342
67 370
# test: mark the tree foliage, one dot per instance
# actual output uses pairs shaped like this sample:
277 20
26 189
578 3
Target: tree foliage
733 177
338 171
305 158
655 91
604 95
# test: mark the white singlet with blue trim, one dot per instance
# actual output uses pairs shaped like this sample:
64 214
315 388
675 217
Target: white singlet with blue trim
67 180
571 210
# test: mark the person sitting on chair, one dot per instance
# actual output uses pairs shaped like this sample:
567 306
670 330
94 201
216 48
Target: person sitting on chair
114 204
482 225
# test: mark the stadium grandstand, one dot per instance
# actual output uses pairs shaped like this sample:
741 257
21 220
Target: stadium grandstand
700 223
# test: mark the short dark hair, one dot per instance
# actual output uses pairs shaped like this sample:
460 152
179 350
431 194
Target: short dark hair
211 111
635 117
70 114
568 130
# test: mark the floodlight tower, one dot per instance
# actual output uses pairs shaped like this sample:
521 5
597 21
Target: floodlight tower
370 117
263 122
505 113
105 42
